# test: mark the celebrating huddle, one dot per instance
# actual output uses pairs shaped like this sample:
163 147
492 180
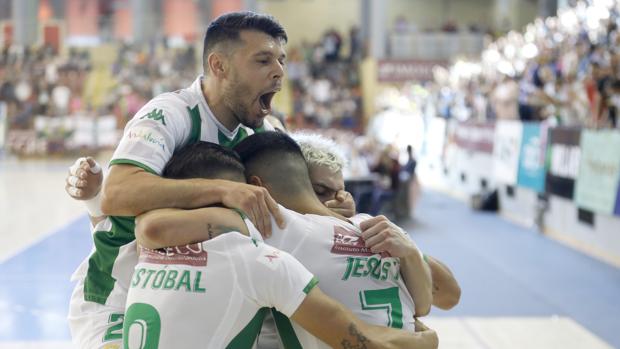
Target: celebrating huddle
221 232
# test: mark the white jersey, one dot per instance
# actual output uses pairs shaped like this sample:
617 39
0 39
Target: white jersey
213 294
368 284
170 121
165 124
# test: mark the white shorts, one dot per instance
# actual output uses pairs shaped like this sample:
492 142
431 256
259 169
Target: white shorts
93 325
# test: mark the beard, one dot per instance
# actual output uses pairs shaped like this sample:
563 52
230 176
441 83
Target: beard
233 98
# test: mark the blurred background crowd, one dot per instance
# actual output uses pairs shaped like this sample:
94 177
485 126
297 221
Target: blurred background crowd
374 94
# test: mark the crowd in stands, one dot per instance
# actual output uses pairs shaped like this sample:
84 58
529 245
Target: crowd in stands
563 69
39 82
325 81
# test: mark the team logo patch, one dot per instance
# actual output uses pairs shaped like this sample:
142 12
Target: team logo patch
193 255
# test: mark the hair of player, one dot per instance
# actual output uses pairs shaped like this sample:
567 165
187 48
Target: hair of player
278 161
226 29
320 151
204 160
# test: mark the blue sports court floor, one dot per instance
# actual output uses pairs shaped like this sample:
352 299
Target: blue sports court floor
520 289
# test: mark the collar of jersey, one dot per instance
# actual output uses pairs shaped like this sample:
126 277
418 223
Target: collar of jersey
196 88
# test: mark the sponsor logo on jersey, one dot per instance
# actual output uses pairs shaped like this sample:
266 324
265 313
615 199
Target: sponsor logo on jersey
157 115
349 242
148 136
193 255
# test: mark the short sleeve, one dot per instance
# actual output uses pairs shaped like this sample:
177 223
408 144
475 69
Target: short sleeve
151 137
278 279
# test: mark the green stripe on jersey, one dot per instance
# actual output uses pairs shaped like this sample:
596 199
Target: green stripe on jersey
231 143
247 336
194 114
285 330
260 129
134 163
311 285
99 282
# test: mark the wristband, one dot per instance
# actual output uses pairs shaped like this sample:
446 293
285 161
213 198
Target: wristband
93 206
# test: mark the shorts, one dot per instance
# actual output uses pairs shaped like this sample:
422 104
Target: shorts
94 325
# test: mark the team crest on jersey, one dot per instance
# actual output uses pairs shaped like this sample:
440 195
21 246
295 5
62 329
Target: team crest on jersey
349 243
193 255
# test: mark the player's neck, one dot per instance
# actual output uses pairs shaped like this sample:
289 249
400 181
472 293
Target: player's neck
216 103
310 204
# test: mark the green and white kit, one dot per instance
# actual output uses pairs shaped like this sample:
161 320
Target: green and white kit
369 284
213 294
162 126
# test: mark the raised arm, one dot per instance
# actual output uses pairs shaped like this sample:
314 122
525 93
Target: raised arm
335 325
174 227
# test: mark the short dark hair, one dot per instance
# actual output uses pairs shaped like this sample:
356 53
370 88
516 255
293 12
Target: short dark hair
203 160
227 27
277 159
266 143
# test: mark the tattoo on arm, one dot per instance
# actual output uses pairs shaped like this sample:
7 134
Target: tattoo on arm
358 340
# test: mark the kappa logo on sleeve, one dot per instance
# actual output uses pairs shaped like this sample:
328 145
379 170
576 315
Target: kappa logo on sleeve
157 115
349 243
193 255
271 259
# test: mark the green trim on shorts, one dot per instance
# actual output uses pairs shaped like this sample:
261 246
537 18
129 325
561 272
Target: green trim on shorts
311 285
99 282
247 337
194 114
134 163
285 330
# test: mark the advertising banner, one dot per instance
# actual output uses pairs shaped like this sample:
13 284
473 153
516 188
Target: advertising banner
562 161
391 70
475 137
3 125
531 172
617 209
599 169
506 149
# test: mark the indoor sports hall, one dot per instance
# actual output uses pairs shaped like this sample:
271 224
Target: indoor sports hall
485 129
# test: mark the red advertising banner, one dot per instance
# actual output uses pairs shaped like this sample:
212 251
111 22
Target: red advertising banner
475 137
406 70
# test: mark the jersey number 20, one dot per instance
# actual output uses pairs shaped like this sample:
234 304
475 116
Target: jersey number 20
142 327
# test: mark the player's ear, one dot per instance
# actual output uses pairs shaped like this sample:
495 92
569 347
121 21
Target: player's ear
255 180
217 64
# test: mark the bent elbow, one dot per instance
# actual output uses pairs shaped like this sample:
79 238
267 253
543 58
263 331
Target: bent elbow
146 232
448 300
422 309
